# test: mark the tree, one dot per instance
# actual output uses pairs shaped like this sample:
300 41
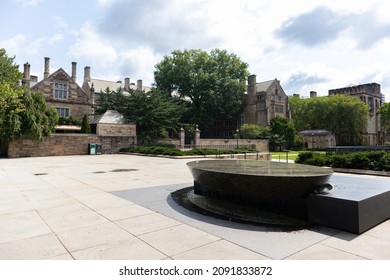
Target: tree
384 111
154 113
283 133
340 114
9 71
85 127
22 112
253 131
212 84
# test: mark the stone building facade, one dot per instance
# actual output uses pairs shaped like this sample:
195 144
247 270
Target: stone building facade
264 101
371 95
318 138
61 91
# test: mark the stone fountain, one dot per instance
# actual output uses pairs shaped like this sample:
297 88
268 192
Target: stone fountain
288 194
263 185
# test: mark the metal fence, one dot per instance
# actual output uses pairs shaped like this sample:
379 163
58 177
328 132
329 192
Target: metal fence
354 149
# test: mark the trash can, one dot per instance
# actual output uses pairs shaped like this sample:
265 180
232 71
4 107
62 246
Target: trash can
92 148
98 148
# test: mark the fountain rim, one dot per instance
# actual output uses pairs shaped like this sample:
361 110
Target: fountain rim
326 171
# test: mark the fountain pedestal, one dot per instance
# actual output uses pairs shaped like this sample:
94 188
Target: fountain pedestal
351 207
250 190
273 186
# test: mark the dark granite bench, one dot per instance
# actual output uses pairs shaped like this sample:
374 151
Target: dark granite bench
355 204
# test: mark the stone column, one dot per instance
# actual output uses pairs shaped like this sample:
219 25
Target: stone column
182 138
197 136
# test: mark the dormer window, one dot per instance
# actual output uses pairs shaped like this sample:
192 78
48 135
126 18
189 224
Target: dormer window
60 90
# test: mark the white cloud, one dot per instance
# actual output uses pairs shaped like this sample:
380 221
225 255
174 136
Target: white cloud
32 3
105 3
39 44
90 45
139 63
14 44
59 22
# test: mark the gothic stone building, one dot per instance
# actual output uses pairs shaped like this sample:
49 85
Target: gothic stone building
264 101
371 95
61 91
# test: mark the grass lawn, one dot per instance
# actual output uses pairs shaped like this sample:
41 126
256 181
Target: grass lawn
292 155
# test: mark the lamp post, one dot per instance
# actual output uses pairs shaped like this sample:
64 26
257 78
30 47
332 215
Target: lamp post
237 131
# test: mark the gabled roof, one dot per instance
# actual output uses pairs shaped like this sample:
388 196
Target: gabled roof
264 86
59 71
110 117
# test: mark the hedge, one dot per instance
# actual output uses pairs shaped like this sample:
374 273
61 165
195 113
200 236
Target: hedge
161 150
373 160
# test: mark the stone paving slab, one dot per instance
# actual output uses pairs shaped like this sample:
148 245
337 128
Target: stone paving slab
58 208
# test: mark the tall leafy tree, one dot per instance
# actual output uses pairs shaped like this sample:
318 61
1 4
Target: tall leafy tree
154 113
9 71
22 112
341 114
252 131
384 111
213 84
283 133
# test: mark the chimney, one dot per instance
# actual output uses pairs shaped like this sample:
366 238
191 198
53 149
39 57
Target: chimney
46 73
251 85
127 83
74 69
139 85
26 72
87 74
313 94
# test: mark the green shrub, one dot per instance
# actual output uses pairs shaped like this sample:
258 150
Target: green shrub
359 161
340 161
303 157
318 159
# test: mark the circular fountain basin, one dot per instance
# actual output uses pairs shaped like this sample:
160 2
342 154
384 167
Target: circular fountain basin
257 183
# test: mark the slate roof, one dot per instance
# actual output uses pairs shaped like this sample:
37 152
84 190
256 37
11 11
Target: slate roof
110 117
263 86
102 85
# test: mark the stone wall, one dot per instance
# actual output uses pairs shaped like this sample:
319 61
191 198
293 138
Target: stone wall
261 145
67 144
116 129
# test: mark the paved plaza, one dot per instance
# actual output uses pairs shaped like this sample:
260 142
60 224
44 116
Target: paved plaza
115 207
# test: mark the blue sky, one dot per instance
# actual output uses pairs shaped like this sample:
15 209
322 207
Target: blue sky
307 45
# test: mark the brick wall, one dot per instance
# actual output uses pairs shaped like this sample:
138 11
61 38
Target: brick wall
67 144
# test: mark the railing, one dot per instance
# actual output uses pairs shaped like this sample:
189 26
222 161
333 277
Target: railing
220 147
354 149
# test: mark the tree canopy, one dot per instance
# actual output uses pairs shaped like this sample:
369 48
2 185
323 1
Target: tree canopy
384 111
339 113
22 113
154 113
253 131
212 84
283 134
